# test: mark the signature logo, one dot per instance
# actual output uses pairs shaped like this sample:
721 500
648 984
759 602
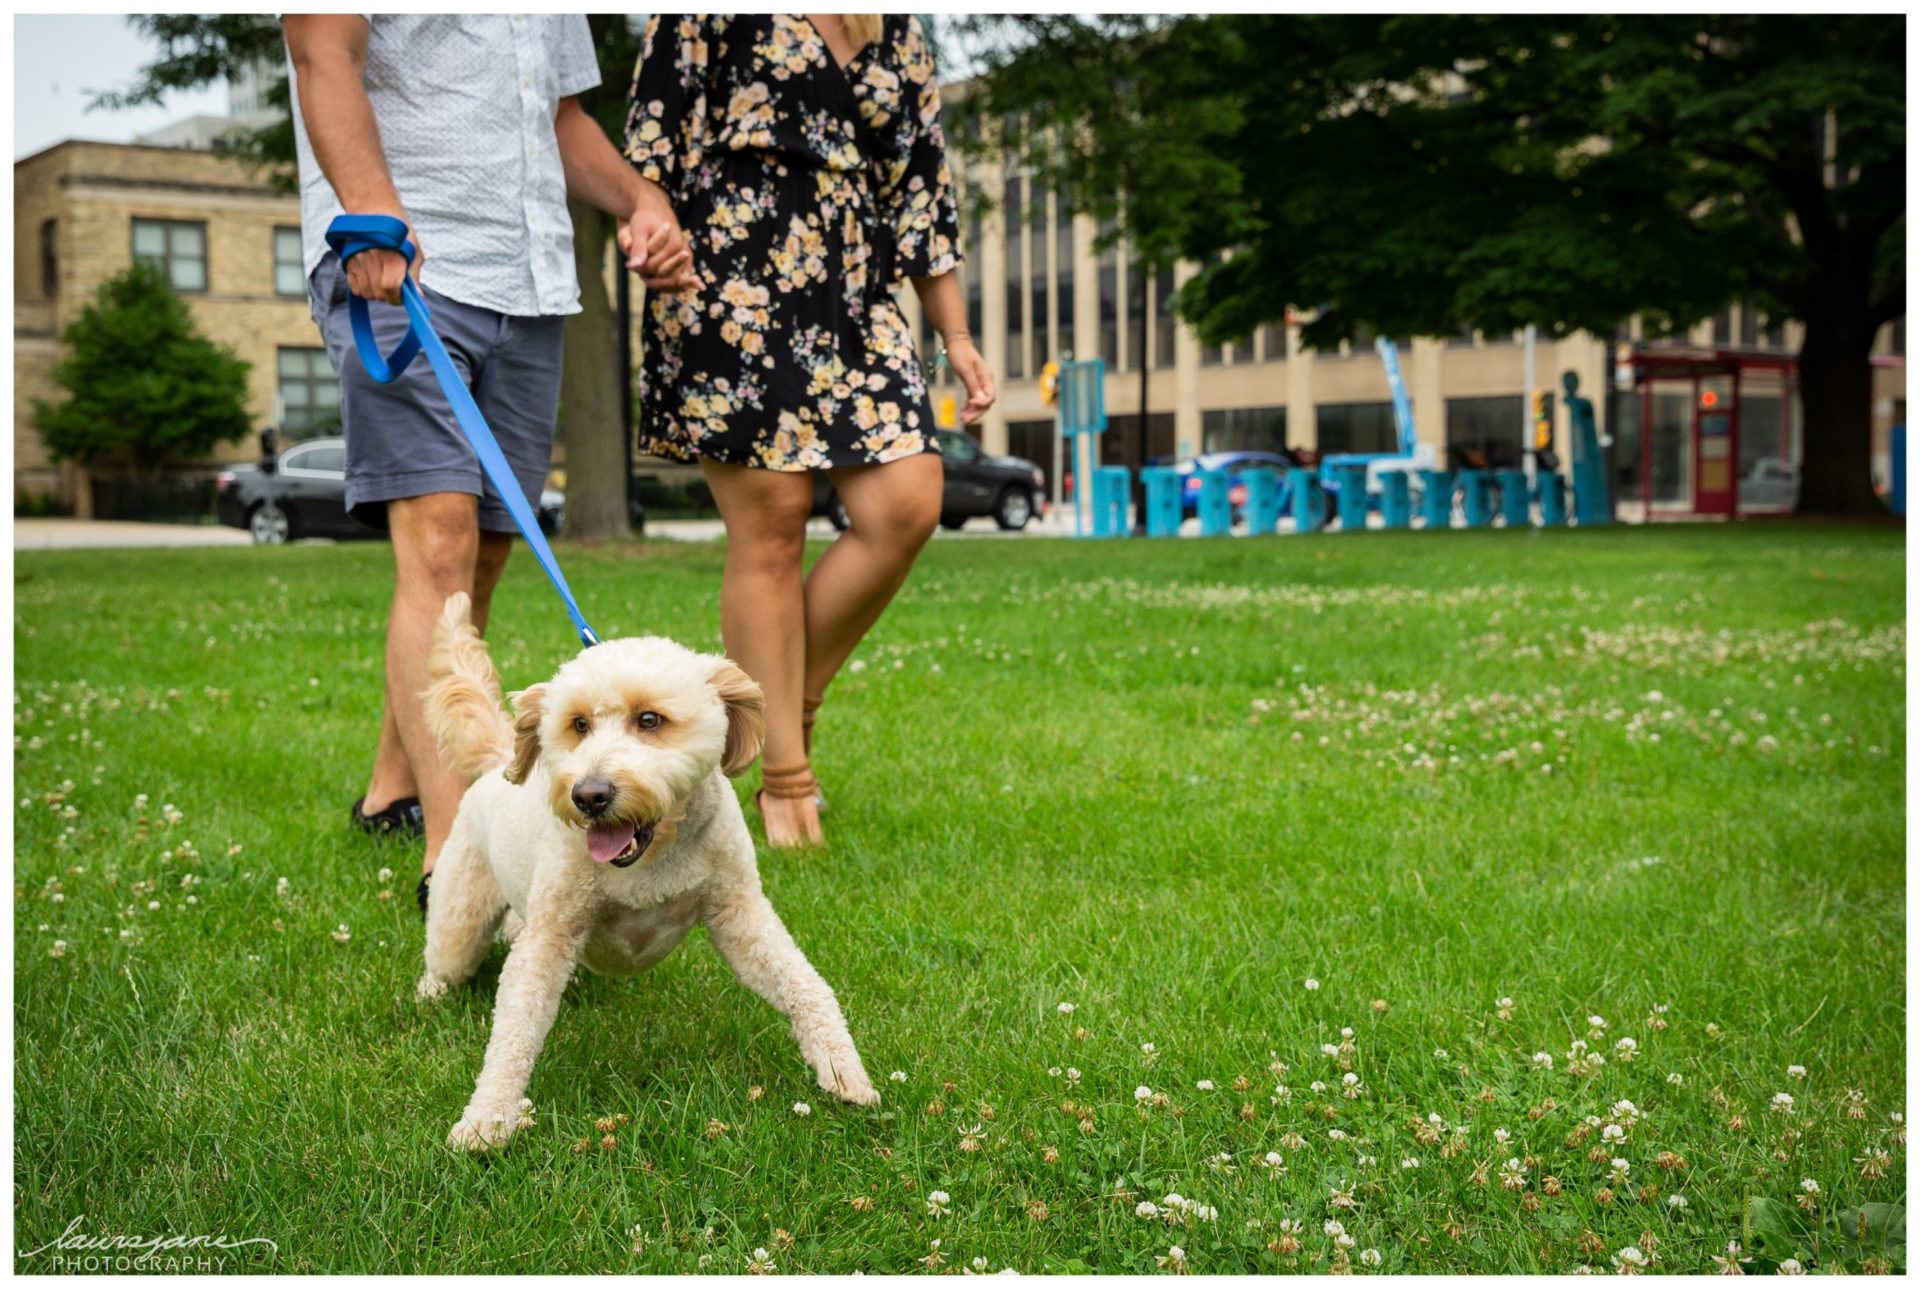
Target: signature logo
78 1249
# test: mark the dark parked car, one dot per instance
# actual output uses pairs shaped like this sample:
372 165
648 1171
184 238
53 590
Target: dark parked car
1011 490
302 493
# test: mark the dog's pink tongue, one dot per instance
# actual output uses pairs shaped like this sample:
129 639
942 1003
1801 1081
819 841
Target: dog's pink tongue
605 841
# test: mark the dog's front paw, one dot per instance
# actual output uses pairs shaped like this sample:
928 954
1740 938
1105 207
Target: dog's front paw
430 988
477 1138
846 1079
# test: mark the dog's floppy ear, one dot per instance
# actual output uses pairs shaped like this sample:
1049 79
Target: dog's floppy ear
746 716
528 706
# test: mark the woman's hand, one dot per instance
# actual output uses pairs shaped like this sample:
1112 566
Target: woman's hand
964 357
655 247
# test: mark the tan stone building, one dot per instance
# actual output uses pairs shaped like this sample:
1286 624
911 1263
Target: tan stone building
230 244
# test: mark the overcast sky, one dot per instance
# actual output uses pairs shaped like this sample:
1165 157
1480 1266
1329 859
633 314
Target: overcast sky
59 60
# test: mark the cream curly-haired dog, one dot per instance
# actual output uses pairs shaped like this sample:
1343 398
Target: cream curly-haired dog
600 828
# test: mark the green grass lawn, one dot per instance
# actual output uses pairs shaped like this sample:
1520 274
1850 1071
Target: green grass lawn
1270 873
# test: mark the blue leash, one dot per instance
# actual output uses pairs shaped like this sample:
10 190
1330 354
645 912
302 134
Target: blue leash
348 235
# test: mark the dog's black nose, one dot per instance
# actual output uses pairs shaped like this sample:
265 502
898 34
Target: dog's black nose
593 797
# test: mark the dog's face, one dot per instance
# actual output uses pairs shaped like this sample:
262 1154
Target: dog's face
627 730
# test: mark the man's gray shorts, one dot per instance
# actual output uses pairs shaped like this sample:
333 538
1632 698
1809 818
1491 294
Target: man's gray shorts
402 440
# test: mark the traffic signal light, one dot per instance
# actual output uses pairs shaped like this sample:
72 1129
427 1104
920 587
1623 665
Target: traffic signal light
1050 383
1542 422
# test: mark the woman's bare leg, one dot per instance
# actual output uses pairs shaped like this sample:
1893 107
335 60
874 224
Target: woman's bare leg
763 617
892 510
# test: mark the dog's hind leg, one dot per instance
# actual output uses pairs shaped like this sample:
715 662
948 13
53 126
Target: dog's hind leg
462 914
537 971
755 943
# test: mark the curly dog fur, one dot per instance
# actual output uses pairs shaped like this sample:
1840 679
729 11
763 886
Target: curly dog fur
600 827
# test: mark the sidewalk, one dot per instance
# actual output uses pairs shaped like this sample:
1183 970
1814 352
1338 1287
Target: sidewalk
97 534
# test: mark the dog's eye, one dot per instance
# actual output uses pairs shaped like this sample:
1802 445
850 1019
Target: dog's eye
648 720
580 725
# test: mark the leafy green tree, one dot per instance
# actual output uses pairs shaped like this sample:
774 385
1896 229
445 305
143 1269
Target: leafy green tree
141 379
203 49
1426 173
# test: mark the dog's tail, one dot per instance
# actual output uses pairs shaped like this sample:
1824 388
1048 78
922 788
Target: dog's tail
463 696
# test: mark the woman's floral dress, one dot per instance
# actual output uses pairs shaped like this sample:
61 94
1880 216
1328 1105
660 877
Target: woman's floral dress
808 191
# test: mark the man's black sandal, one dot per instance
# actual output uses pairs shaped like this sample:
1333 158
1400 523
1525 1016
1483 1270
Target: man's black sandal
420 893
401 817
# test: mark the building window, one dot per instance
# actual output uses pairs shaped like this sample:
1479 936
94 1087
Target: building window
1110 303
289 262
1273 343
1356 427
1034 441
1046 342
1064 337
1012 212
1488 431
178 246
49 259
1244 429
974 328
309 392
1163 325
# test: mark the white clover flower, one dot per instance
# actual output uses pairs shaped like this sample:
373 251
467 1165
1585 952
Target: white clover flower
1613 1132
1630 1260
385 875
1333 1227
1410 1162
937 1202
1329 1049
1143 1093
1502 1136
1796 1071
802 1109
1676 1201
1073 1075
1370 1257
1204 1085
898 1076
1543 1060
1677 1079
1146 1208
1810 1186
1346 1031
1349 1078
1146 1049
1782 1103
1791 1267
1311 983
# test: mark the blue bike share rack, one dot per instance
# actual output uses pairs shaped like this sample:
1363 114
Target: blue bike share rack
1516 498
1553 499
1264 488
1162 485
1396 506
1476 497
1110 487
1309 501
1436 499
1214 506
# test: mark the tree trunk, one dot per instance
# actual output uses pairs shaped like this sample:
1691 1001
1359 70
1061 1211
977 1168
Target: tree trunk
1836 395
591 387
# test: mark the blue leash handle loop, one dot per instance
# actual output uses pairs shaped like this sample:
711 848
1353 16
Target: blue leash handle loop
348 235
